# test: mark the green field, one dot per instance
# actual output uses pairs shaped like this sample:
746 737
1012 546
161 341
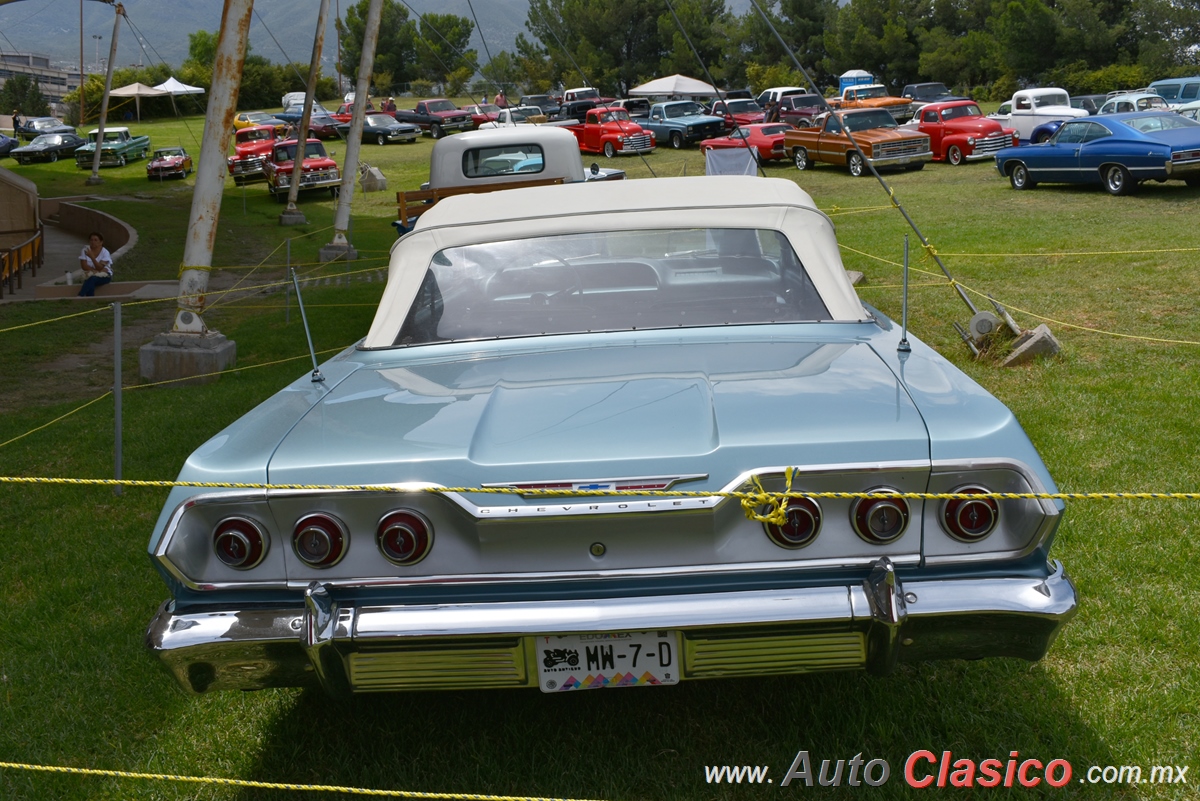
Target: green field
1114 412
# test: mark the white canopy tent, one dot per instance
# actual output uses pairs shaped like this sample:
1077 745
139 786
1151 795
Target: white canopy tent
679 85
137 91
174 87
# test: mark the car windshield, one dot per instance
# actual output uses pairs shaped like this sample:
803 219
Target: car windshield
1052 99
615 115
519 114
682 110
870 91
488 108
168 151
255 135
611 281
288 152
47 139
1160 122
440 105
256 116
773 130
1168 90
380 120
742 107
862 121
587 94
931 90
43 124
958 112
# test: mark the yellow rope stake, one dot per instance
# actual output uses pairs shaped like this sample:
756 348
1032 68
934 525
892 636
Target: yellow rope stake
316 788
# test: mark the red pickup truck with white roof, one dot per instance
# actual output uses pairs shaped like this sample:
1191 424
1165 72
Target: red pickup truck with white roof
317 172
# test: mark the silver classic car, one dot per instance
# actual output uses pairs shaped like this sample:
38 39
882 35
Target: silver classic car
609 435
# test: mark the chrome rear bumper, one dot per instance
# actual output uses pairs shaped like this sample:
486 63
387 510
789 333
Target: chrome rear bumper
871 625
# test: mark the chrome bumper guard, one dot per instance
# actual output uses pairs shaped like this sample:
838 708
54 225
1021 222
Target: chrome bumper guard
871 626
906 158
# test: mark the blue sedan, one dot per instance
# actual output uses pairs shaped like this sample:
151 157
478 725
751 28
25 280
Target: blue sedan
1118 151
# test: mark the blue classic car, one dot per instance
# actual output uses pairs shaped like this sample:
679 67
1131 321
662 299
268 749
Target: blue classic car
383 128
1117 151
681 123
526 470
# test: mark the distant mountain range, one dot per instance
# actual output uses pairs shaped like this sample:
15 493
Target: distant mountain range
51 28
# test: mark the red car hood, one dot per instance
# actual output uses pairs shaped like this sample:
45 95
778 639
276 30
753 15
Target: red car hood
975 125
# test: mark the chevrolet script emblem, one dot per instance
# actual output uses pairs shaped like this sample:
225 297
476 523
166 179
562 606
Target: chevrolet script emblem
647 483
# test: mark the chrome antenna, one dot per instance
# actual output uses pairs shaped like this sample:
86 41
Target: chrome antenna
904 347
316 373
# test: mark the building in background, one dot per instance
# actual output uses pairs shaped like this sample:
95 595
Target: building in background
53 82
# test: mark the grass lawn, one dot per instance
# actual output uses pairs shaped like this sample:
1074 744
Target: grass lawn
1120 687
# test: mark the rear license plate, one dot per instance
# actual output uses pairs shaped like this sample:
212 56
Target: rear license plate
592 661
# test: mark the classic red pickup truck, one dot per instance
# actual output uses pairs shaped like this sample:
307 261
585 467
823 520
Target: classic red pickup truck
252 148
610 131
959 132
318 171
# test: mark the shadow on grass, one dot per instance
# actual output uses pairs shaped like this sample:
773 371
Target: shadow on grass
655 743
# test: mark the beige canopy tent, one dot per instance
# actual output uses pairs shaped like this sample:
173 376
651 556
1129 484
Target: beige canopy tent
675 85
137 91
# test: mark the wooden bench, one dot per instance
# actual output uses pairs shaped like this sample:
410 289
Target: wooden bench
414 203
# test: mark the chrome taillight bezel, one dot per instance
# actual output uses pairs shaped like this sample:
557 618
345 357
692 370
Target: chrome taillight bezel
804 521
862 510
952 510
405 523
239 532
321 524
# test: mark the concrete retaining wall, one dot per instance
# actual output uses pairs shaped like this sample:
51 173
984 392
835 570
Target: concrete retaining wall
119 237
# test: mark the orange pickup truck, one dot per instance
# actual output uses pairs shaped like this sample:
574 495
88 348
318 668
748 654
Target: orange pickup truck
874 95
884 143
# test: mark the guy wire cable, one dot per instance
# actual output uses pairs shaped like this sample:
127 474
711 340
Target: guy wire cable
562 48
291 63
712 83
925 242
472 63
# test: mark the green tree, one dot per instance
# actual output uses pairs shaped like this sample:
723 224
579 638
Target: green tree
442 49
395 50
881 37
1027 34
202 47
502 72
708 25
22 93
802 24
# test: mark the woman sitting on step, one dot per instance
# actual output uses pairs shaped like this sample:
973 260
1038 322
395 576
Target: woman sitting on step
96 262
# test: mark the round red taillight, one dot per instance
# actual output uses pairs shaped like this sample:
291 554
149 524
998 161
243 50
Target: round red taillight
404 536
970 519
802 526
320 540
239 542
879 520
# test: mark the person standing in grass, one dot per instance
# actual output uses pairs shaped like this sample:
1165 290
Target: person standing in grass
96 262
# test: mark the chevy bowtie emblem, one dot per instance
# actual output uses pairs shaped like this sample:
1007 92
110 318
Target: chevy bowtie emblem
648 483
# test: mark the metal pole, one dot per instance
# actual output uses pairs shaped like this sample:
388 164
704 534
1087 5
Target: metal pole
292 216
95 178
117 395
82 113
210 170
341 219
903 345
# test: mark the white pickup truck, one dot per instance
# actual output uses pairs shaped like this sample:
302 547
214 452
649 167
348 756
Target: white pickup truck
515 115
1030 109
487 160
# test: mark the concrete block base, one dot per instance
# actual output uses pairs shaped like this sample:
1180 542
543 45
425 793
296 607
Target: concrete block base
1031 344
186 358
292 217
93 180
332 252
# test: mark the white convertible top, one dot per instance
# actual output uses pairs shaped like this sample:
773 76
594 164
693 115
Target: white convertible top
696 202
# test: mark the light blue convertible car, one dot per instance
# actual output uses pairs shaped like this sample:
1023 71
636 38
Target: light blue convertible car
538 348
1117 151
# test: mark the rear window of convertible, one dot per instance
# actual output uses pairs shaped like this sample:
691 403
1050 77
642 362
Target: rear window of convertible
611 281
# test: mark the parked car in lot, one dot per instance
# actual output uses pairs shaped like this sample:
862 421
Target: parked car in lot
681 123
922 94
536 345
515 115
292 114
323 126
7 145
546 103
34 127
799 110
611 131
1037 113
764 139
1177 91
383 128
1189 110
481 113
317 170
1117 151
736 112
247 119
437 117
169 161
1138 101
119 146
252 148
48 147
1089 103
959 132
883 142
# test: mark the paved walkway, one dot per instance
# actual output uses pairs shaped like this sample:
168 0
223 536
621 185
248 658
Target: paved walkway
62 254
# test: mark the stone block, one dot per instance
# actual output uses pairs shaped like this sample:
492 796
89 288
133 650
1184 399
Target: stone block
332 252
1038 342
292 217
186 358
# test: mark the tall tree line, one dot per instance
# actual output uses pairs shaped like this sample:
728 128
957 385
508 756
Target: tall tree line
975 45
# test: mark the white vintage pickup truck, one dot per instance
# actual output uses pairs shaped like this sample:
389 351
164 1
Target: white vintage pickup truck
1031 108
